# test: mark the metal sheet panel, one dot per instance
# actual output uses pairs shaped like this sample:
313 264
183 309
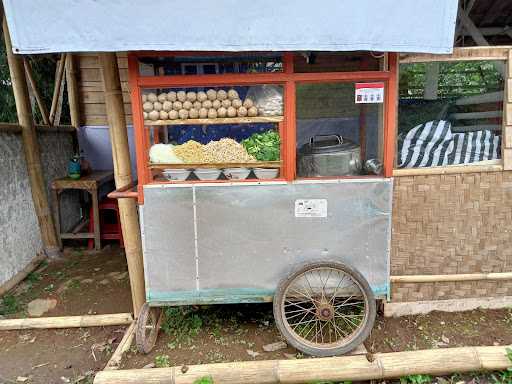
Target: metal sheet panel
227 25
169 244
249 238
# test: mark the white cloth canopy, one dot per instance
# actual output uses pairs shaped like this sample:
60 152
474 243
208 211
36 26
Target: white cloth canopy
43 26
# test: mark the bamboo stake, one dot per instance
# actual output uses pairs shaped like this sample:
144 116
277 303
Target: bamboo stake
31 147
67 321
33 85
72 87
56 90
453 277
123 176
336 369
124 345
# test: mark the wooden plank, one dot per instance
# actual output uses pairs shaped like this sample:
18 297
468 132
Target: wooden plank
101 109
482 166
507 159
94 120
474 128
76 236
459 54
491 97
508 114
507 136
227 120
509 88
256 164
94 86
94 74
98 97
91 61
451 305
476 115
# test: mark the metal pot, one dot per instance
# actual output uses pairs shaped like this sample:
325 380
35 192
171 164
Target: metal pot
329 155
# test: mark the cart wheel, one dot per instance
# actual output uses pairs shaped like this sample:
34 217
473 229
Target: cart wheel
148 325
324 308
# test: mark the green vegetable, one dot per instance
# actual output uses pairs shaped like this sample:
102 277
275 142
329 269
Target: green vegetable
264 146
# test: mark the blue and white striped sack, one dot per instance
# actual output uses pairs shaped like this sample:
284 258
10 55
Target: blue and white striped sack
433 144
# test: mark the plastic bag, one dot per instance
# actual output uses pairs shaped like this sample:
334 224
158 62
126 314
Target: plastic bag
268 99
163 153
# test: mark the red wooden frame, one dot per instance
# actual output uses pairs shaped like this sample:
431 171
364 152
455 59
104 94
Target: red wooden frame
288 78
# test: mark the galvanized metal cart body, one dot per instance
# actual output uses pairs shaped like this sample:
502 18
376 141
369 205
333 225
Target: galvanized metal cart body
234 242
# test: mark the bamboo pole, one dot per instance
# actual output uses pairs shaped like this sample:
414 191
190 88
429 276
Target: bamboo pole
56 90
124 345
67 321
453 277
31 147
33 85
123 176
72 87
336 369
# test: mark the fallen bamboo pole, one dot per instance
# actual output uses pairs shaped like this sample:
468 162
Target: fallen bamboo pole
66 321
451 278
123 176
345 368
124 345
31 148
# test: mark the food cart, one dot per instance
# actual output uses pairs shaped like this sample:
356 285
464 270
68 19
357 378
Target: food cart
307 227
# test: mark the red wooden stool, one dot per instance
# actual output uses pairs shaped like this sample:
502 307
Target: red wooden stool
110 223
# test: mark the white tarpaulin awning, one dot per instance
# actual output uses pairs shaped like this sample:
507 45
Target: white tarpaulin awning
42 26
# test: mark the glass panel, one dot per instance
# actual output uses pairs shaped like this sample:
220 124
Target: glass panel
231 132
335 135
192 65
336 61
449 113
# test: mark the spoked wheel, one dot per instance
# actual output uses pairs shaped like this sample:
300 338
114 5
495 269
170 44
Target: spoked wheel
324 309
148 325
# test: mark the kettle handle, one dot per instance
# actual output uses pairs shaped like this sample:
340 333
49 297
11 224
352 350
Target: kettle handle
312 139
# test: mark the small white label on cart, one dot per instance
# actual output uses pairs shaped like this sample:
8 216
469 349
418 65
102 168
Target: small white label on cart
311 208
369 93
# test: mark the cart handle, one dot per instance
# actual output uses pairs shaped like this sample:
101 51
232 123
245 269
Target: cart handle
125 192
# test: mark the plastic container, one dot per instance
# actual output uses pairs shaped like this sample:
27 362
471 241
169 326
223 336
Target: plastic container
266 173
207 173
176 174
236 173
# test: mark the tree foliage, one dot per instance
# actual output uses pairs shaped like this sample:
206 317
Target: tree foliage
43 68
456 79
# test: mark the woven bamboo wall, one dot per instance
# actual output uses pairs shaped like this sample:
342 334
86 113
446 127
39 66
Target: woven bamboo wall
449 224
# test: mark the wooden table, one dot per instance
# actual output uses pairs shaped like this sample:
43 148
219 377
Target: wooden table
91 184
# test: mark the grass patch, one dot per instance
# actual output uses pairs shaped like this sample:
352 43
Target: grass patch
9 305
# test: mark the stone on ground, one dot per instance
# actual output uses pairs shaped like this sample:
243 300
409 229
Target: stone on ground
38 307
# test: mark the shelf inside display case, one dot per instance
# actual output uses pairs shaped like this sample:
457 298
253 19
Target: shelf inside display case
256 164
217 121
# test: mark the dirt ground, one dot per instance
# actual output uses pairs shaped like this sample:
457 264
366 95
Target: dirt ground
97 282
83 282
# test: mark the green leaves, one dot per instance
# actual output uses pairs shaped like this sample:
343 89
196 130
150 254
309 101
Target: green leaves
264 146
